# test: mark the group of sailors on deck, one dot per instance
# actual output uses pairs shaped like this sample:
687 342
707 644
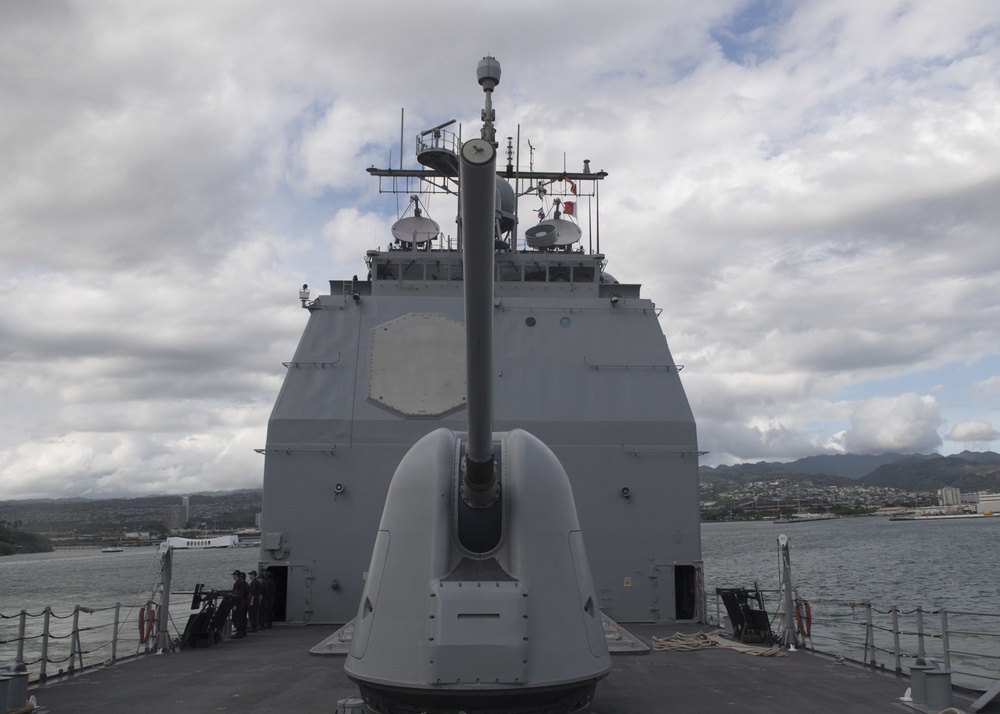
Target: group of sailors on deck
253 609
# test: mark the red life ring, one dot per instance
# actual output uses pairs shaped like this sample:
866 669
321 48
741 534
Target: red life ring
146 627
800 621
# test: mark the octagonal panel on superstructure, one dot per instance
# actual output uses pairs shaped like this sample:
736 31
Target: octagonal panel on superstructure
418 365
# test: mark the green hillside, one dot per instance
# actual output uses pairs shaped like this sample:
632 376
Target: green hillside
930 474
14 540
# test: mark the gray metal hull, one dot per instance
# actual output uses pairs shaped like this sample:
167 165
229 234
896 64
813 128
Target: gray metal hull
591 377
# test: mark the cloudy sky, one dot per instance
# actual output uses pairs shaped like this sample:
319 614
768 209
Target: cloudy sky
810 190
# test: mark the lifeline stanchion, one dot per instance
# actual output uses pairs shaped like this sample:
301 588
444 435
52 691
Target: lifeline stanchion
46 616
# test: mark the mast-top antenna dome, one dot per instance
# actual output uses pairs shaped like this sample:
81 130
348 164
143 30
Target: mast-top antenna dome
488 73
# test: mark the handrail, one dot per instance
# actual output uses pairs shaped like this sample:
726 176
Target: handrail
885 638
851 630
321 365
78 638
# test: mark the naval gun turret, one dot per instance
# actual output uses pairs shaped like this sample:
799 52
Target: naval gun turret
479 595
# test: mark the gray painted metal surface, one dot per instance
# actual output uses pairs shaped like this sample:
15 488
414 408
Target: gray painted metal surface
272 671
479 595
439 617
580 363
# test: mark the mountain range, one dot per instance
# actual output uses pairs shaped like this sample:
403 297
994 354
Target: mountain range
969 471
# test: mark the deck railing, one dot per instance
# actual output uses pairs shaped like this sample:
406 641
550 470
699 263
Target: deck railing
967 643
82 638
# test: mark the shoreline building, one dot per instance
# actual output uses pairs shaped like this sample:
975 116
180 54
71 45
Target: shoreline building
176 516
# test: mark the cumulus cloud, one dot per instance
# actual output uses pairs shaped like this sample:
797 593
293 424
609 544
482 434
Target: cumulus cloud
974 431
350 229
805 189
907 423
109 464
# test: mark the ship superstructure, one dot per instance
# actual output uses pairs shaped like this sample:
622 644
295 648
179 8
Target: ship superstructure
579 361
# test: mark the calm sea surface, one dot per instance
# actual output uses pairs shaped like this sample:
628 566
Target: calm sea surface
931 564
947 563
67 578
944 567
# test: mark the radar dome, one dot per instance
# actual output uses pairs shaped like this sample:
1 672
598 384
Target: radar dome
488 72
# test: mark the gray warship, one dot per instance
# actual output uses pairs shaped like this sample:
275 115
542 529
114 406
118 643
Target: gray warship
453 426
391 494
580 360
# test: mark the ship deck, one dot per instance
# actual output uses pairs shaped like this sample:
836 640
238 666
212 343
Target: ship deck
273 671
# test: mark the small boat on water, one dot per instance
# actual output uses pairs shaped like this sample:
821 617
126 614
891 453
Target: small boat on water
112 549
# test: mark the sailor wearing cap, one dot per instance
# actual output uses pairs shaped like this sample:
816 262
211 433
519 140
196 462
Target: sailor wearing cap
241 595
254 610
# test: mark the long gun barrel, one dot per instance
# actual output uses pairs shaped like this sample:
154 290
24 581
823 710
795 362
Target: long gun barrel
477 183
477 172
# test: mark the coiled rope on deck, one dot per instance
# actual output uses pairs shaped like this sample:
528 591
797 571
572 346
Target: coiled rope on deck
703 640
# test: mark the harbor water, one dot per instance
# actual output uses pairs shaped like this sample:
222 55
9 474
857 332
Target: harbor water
836 564
881 592
109 584
932 564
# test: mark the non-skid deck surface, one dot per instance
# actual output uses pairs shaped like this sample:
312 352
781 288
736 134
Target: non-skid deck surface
272 671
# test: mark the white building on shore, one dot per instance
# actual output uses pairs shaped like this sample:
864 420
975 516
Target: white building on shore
988 503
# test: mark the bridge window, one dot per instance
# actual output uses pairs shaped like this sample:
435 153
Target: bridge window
384 271
558 275
412 270
509 273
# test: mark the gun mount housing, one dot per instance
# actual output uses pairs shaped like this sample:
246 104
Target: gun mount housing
479 594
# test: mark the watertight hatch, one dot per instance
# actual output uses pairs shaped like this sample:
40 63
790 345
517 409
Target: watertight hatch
477 631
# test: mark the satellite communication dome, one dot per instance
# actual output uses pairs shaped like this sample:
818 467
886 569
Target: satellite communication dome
415 229
567 232
505 195
553 232
541 236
